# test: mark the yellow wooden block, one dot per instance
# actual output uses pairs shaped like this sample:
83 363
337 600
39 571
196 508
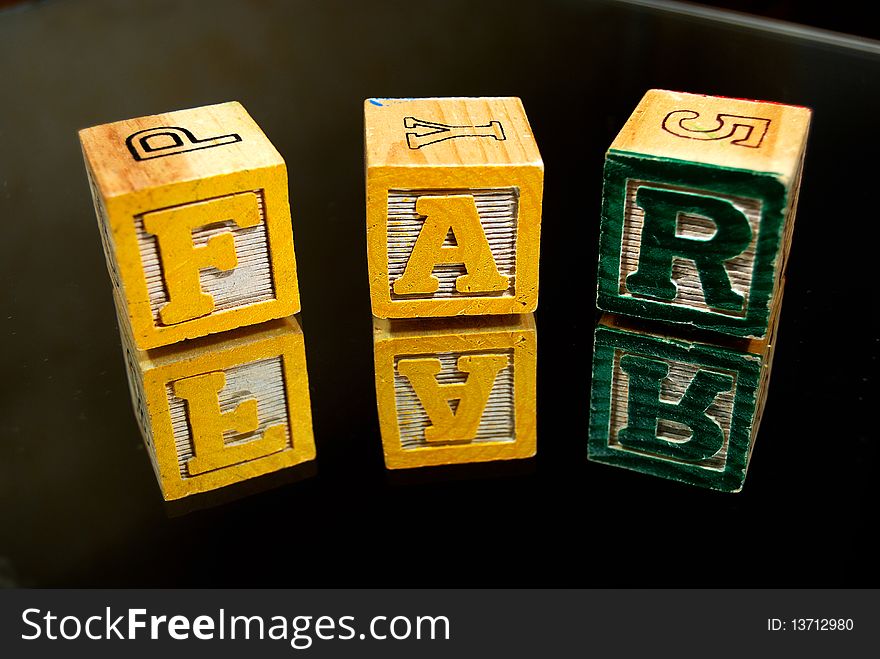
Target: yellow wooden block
223 409
195 221
456 391
454 188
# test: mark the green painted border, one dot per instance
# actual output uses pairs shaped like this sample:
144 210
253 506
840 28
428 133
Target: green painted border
619 167
748 369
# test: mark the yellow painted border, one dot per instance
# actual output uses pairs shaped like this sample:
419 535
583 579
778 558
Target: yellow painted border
121 212
290 346
528 179
522 339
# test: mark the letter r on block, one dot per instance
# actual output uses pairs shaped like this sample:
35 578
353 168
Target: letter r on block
661 244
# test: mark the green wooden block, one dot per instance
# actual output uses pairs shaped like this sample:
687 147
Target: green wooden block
698 207
676 408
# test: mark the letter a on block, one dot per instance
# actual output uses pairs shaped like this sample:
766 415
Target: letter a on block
645 409
472 395
661 244
208 423
182 260
458 214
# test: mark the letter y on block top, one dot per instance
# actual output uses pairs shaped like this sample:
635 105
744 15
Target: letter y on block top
698 207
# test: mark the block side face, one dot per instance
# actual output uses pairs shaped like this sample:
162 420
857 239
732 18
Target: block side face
691 244
672 409
146 152
453 241
225 415
456 398
448 132
713 130
134 370
109 247
235 247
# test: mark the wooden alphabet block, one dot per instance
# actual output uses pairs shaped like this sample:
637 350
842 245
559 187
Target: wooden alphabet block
223 409
195 221
454 188
455 391
698 208
677 408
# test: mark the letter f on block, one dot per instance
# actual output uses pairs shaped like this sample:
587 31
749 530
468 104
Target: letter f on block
645 409
472 395
458 214
661 244
182 260
208 424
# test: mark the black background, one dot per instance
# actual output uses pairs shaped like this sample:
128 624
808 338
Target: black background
80 505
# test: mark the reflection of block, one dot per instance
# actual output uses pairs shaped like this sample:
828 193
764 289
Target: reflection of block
456 391
676 408
454 189
698 209
220 410
195 221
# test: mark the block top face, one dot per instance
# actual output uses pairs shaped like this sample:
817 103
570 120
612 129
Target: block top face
148 152
714 130
448 132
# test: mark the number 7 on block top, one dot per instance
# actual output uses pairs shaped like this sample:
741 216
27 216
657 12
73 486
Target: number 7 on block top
698 208
454 189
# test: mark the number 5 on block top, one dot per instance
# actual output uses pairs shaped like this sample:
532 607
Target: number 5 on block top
195 221
454 191
698 208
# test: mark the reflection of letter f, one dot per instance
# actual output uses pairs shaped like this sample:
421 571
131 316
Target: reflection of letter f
208 424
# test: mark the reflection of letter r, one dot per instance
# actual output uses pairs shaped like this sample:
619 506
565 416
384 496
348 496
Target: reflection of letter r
645 409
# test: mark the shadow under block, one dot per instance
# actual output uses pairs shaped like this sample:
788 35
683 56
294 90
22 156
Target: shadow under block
454 189
455 391
220 410
195 221
676 408
698 208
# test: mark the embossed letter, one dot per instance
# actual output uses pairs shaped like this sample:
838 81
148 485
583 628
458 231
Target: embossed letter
207 425
472 395
181 260
456 213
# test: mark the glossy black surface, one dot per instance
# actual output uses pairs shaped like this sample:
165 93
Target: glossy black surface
80 505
